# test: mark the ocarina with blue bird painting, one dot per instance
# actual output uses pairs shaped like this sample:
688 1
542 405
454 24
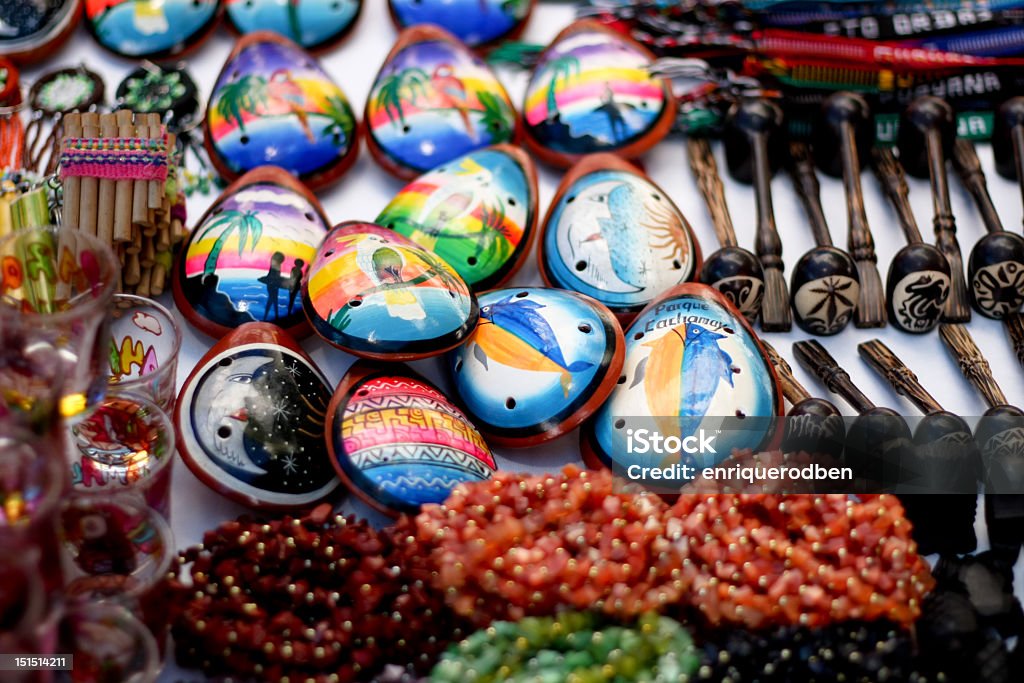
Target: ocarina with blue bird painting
611 233
397 442
151 29
474 22
433 101
316 25
477 212
695 374
249 254
378 295
250 421
539 363
592 91
274 104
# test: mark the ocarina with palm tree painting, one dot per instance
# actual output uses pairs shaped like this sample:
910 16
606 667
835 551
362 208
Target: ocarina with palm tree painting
477 212
695 375
434 100
36 30
540 362
592 91
250 421
378 295
151 29
274 104
614 235
316 25
474 22
249 254
398 443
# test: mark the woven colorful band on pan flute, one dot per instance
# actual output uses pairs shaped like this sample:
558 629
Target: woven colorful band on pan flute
116 158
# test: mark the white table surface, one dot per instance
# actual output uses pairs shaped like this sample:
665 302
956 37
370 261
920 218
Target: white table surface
365 190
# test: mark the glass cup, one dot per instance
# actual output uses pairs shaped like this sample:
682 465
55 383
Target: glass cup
126 443
56 286
32 482
117 550
109 645
144 346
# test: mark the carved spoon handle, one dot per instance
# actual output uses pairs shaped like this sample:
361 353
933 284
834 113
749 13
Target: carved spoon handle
881 358
972 363
709 182
813 356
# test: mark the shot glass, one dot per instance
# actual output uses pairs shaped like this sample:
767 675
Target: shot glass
109 645
144 345
126 443
56 286
32 481
117 550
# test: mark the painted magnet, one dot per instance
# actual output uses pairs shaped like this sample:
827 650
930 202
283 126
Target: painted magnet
376 294
434 101
399 443
591 91
540 362
247 258
694 368
250 421
614 235
274 104
477 212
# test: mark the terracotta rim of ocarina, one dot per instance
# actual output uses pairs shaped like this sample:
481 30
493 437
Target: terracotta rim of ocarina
590 449
450 341
271 175
606 161
314 181
358 374
250 333
418 34
634 149
525 437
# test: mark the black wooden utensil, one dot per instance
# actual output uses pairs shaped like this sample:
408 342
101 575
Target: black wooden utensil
918 281
1000 437
940 475
925 141
813 425
1008 140
876 441
825 285
995 268
752 125
843 136
732 270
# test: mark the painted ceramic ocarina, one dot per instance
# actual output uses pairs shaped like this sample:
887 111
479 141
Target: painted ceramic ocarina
477 212
151 29
694 371
397 442
591 92
474 22
36 30
314 24
248 256
614 235
273 104
434 101
250 421
540 362
376 294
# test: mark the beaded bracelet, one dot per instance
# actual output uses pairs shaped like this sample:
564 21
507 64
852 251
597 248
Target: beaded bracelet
517 545
572 646
321 598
